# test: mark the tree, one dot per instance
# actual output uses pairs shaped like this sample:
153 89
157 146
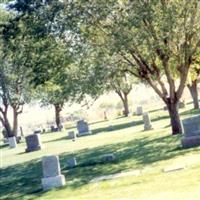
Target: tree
156 38
13 93
15 90
192 85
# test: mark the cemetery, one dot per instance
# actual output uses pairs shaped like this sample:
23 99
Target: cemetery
119 164
99 100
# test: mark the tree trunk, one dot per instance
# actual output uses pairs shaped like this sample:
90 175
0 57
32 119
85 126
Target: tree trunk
194 93
175 118
15 122
57 115
6 125
125 103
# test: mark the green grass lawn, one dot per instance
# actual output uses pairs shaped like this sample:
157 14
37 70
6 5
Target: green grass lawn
135 149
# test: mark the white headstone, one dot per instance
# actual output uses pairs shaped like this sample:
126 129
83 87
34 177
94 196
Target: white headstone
12 142
52 176
139 110
147 121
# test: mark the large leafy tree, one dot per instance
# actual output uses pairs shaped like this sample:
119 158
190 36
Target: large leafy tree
156 38
14 87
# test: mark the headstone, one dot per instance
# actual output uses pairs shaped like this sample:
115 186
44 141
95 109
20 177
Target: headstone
12 142
105 115
52 176
110 128
71 135
54 129
18 139
165 108
139 110
147 122
71 162
83 128
5 141
21 131
191 127
108 157
4 132
37 131
181 104
33 142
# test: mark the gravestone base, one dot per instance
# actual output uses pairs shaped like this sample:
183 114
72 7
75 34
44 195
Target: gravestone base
33 149
83 134
188 142
12 142
52 182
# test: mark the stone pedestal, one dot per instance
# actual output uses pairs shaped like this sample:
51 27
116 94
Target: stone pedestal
188 142
71 135
147 122
12 142
33 143
191 127
71 162
139 110
52 176
83 128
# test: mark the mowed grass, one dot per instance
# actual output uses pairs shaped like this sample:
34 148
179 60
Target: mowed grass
135 149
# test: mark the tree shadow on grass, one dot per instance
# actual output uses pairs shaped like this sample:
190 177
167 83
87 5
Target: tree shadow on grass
116 127
23 181
3 146
190 112
134 154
